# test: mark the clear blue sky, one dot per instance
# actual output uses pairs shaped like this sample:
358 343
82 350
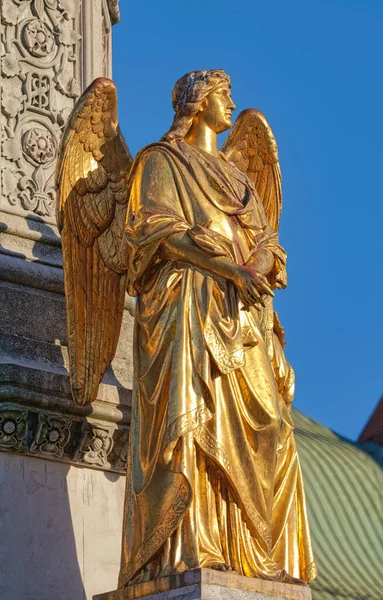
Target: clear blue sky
315 70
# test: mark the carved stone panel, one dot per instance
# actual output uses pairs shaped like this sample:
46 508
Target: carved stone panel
95 445
52 434
13 428
51 50
41 50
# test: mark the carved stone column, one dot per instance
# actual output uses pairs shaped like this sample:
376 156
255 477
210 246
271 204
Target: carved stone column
50 51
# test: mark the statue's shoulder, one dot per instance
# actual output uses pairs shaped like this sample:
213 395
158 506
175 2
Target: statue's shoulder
158 155
155 149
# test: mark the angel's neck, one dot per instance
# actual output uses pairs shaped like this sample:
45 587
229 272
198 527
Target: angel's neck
202 136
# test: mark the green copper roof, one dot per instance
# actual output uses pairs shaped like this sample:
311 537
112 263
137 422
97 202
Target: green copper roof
344 488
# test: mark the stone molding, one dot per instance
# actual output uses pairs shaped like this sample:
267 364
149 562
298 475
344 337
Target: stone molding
63 437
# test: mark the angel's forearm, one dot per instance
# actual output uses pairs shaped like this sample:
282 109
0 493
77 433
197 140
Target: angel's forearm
181 248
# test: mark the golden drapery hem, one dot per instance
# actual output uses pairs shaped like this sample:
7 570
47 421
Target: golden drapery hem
213 472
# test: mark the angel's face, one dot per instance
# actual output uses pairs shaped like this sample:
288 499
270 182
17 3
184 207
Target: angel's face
217 108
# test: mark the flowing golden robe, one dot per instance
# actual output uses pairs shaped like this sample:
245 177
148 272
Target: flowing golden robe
213 473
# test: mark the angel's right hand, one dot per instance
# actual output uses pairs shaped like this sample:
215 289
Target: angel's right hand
251 285
262 260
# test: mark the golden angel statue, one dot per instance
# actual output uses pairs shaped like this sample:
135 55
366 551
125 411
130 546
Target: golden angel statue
213 477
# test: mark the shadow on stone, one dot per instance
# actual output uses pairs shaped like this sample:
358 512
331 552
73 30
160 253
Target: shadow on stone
39 553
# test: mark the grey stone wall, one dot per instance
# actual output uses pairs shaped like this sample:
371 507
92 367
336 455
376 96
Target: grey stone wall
54 455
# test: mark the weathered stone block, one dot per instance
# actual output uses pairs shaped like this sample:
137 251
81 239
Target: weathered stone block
208 584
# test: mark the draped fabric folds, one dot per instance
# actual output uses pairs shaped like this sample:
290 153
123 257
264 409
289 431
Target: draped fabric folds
213 474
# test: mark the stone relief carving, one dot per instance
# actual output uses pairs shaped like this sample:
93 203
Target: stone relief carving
39 145
66 438
40 47
52 434
38 38
95 445
13 428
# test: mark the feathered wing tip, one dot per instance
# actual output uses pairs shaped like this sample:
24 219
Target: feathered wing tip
252 147
92 184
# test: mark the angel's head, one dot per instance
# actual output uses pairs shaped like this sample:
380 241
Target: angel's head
201 95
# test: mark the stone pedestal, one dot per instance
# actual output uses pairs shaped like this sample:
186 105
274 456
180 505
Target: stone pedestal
208 584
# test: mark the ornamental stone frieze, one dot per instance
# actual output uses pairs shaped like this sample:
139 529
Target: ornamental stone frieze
50 51
33 431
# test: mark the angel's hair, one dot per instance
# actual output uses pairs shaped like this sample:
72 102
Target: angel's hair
188 93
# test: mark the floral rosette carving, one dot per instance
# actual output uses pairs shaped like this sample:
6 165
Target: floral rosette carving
38 39
95 445
39 145
52 435
13 428
36 190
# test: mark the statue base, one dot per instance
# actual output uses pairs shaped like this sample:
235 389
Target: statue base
209 584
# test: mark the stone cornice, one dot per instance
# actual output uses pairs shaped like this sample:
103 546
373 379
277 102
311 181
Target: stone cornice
63 437
38 418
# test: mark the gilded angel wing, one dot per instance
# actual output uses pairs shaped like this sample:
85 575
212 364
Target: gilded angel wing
91 181
251 146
